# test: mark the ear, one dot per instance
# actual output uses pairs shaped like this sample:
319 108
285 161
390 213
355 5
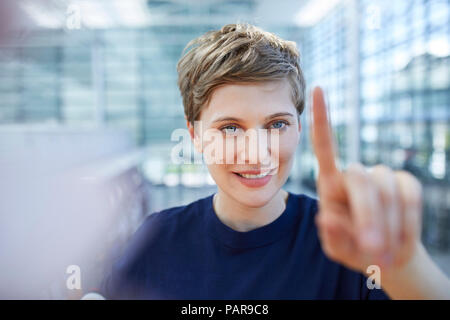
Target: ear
195 139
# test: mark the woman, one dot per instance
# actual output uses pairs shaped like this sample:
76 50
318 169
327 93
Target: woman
252 239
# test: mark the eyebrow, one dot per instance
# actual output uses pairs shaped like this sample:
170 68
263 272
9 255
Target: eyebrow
278 114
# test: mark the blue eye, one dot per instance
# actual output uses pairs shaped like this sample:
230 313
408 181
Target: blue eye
276 124
233 129
224 129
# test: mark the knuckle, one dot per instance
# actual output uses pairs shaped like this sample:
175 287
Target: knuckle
414 188
356 167
381 168
356 174
383 174
385 183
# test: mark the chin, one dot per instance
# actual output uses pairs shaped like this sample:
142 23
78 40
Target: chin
250 196
254 198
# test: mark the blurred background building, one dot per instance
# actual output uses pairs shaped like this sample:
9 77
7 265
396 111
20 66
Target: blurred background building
71 71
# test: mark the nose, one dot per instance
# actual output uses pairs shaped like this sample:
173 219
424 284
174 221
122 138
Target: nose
254 148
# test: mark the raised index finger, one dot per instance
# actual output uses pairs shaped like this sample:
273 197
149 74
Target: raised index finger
321 134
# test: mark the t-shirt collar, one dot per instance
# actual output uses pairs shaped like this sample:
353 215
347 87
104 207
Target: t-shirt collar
254 238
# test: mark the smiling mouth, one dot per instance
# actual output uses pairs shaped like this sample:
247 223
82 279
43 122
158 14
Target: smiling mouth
255 176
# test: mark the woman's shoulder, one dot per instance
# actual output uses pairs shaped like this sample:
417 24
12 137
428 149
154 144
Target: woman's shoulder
168 224
306 202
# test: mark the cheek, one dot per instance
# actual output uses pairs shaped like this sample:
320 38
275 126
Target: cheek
230 147
220 174
287 146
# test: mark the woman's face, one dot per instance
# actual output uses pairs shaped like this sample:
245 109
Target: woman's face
237 109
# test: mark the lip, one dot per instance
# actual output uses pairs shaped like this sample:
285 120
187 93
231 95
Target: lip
254 183
254 171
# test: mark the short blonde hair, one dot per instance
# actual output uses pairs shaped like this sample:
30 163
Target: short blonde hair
236 53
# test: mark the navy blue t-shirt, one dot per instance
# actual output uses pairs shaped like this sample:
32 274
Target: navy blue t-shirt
186 252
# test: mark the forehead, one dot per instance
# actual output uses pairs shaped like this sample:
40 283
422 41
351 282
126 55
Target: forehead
246 100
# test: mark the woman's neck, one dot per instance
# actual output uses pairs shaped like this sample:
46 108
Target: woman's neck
242 218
